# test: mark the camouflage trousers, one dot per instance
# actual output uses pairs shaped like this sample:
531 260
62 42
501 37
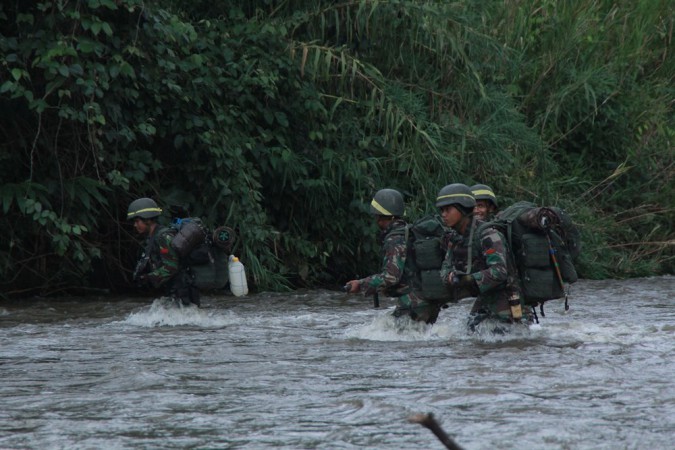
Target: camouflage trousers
480 312
417 309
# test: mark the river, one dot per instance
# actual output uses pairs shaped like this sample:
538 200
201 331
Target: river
321 369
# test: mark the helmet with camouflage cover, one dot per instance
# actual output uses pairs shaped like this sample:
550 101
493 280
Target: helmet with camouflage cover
456 194
387 202
145 208
484 192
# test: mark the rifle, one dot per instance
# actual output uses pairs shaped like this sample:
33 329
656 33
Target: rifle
141 265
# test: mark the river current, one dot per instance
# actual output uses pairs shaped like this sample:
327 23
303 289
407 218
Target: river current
322 369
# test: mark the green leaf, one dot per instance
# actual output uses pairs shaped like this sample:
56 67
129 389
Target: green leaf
106 28
127 69
87 46
6 86
16 73
38 105
25 18
109 4
281 118
7 197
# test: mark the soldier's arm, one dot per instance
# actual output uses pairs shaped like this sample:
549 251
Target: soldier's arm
393 263
447 267
168 266
493 250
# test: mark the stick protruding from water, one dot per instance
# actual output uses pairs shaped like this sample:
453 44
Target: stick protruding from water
428 421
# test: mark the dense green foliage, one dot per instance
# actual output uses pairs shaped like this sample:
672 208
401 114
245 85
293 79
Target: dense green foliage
282 118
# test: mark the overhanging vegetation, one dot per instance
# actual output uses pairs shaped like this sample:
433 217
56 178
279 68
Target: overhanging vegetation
282 118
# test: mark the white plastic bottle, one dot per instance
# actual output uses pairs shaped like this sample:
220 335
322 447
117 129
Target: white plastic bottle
237 274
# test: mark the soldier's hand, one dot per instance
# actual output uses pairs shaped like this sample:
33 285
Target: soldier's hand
463 281
460 280
352 287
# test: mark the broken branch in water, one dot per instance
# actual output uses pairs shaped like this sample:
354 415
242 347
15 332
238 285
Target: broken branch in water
428 421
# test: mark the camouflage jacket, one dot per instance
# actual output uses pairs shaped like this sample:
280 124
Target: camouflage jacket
161 260
391 280
491 266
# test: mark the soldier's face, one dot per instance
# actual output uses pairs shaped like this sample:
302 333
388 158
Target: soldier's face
451 215
141 226
383 221
482 209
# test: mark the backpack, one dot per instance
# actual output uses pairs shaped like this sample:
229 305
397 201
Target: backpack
203 253
544 242
424 257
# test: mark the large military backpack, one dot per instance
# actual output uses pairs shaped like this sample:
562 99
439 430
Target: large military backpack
424 259
544 243
204 253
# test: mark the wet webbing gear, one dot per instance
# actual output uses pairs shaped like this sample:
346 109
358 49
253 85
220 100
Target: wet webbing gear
190 234
202 253
424 258
543 243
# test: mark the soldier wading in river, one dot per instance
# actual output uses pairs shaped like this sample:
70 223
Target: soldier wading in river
160 266
393 281
479 261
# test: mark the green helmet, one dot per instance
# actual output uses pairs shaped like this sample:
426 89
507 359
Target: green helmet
484 192
387 202
145 208
456 194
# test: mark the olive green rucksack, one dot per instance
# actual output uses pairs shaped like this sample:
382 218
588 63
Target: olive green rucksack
544 243
204 253
425 257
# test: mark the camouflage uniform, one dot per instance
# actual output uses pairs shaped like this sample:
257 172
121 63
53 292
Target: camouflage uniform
492 268
160 267
393 281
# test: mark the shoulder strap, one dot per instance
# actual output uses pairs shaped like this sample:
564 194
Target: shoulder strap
469 258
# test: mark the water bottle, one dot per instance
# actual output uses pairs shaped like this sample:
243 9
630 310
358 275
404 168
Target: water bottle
237 275
516 310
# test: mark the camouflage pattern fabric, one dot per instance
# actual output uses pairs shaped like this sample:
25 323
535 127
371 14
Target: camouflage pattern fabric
492 268
164 261
392 280
165 270
417 309
393 262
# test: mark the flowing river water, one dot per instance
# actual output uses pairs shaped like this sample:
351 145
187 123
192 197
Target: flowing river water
321 369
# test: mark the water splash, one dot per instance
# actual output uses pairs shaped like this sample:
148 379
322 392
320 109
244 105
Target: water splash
169 312
386 327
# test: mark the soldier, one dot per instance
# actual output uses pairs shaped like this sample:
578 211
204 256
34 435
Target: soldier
478 261
387 206
160 265
486 202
